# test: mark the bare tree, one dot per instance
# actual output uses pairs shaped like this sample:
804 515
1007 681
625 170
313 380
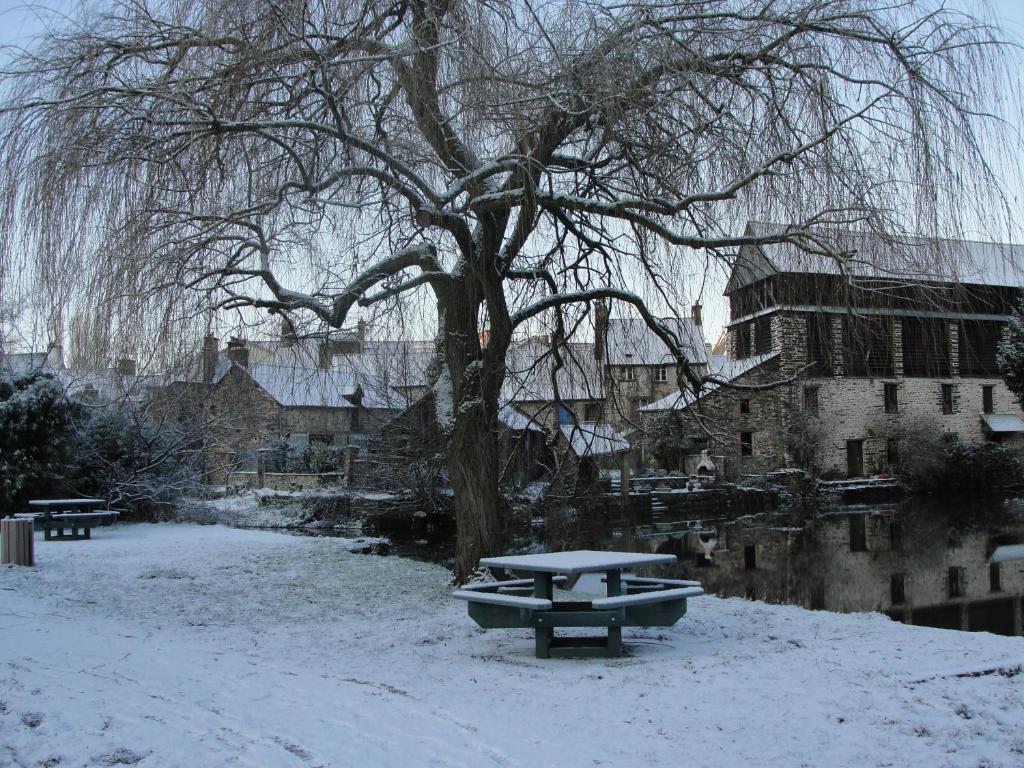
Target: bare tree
512 160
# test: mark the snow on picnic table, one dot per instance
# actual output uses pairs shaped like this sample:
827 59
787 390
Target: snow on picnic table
173 645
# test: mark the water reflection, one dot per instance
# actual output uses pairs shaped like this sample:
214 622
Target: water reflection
924 562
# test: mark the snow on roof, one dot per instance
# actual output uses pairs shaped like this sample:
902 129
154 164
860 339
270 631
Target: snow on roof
874 256
20 363
1003 422
396 362
630 341
516 420
1008 552
729 370
529 366
594 439
304 387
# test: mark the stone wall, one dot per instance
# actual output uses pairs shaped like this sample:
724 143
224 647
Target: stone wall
849 409
717 421
318 421
854 409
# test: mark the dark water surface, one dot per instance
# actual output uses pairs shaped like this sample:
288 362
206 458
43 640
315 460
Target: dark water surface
921 560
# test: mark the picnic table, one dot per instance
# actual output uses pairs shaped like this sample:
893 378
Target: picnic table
529 602
75 516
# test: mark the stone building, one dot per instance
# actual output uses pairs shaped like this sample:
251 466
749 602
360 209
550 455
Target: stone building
888 337
607 381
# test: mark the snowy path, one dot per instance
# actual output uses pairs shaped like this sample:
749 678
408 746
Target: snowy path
179 645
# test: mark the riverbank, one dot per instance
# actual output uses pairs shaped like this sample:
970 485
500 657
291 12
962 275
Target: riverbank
168 645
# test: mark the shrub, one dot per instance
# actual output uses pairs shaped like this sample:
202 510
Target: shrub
979 466
35 422
1011 354
123 454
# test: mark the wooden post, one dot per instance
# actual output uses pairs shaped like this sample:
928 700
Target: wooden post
614 585
543 588
16 542
626 466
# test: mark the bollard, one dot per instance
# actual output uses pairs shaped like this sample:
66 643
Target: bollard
16 542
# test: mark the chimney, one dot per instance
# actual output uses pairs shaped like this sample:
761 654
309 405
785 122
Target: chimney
288 337
361 331
326 354
210 346
695 313
238 353
125 367
600 328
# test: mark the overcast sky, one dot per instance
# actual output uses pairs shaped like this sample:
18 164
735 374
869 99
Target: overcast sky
20 20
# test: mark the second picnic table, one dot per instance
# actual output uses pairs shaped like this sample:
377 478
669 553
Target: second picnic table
529 602
74 515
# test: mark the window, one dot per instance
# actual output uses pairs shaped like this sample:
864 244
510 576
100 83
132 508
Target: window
977 348
891 401
763 335
811 400
743 341
627 373
819 345
896 535
947 398
592 412
867 346
744 406
986 399
750 556
322 439
637 405
898 588
892 452
746 443
995 578
858 533
661 373
925 347
956 582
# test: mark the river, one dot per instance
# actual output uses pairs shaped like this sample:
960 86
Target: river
923 561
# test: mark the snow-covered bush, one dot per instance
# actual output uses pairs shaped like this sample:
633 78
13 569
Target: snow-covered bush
138 462
321 457
1011 354
921 446
35 423
979 466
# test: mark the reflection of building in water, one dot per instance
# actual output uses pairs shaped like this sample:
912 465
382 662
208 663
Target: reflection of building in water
909 564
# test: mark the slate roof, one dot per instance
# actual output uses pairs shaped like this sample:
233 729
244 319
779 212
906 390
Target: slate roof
529 366
1003 422
630 341
20 363
873 256
594 439
304 387
729 370
516 420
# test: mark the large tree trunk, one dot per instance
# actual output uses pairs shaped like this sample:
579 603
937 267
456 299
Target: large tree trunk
473 470
466 395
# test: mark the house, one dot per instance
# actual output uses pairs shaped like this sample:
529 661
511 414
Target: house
607 381
882 337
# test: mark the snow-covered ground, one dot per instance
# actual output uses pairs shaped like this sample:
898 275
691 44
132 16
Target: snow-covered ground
184 645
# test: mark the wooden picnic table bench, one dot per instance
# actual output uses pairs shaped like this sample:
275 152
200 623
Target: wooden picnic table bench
73 521
70 519
648 602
